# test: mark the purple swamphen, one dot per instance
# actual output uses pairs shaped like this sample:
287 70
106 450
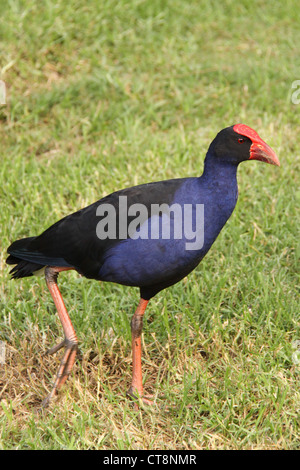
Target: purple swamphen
149 236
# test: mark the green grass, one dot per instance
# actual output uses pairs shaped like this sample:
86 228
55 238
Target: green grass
104 95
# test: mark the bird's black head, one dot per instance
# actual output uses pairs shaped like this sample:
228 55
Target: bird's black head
238 143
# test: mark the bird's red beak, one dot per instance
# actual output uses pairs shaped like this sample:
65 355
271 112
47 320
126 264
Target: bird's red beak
259 150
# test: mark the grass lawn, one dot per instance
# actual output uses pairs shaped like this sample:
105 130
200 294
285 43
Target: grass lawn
107 94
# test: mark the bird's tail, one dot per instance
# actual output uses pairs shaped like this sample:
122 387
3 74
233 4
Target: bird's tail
17 255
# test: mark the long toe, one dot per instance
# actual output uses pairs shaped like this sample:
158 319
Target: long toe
55 348
64 369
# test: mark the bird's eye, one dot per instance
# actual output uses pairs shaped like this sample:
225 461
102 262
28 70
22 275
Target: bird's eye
241 140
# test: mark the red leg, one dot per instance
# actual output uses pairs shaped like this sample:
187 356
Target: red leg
70 342
136 331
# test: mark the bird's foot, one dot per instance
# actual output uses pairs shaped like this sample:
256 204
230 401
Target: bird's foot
71 348
145 399
46 402
55 348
